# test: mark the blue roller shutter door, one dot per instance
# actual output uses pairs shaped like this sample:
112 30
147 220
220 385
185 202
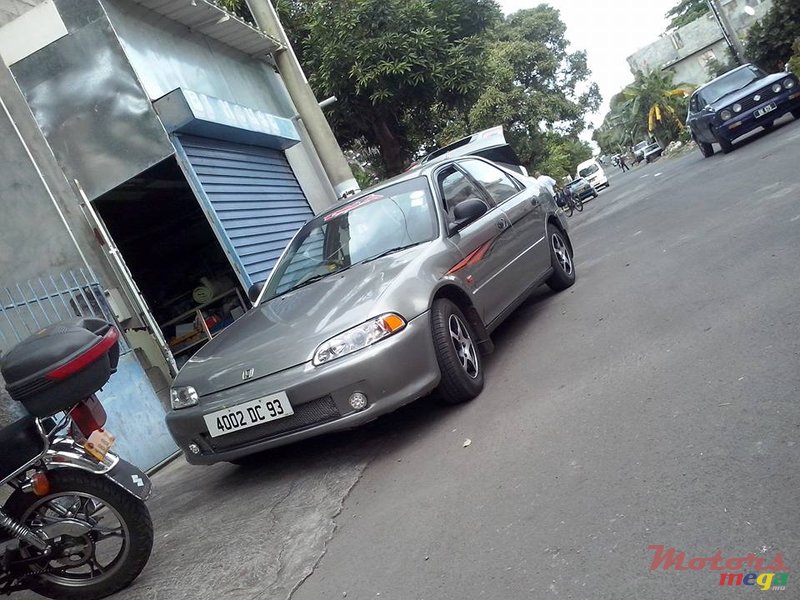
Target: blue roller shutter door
255 197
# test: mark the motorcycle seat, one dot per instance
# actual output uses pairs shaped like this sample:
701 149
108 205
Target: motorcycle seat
20 442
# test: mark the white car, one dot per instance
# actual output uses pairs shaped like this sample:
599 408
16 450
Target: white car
592 172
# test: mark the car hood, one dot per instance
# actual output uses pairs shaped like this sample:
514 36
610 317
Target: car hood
284 332
749 90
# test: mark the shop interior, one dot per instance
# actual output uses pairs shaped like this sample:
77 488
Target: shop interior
174 256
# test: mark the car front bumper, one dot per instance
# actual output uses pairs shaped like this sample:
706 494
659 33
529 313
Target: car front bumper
390 373
746 122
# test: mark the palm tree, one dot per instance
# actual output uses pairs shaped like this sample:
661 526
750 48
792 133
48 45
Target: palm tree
653 103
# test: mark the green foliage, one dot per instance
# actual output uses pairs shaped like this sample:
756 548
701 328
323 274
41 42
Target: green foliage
769 41
651 106
411 75
685 12
532 85
563 155
794 62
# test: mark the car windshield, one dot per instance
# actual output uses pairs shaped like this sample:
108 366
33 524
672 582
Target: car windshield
585 171
576 183
730 83
384 221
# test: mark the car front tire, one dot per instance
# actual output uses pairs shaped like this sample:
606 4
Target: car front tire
457 353
724 145
706 150
561 260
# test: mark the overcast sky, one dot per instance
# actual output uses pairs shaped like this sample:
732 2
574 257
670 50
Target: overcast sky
609 31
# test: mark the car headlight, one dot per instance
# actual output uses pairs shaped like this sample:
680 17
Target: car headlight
358 337
788 83
776 87
737 108
183 397
725 114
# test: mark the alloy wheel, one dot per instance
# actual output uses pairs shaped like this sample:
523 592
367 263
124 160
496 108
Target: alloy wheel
562 253
464 346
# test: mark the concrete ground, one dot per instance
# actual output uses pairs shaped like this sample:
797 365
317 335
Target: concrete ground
655 402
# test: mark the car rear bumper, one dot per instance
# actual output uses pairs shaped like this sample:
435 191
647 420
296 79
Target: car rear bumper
746 122
390 373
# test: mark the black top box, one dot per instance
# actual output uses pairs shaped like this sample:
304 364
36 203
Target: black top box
61 365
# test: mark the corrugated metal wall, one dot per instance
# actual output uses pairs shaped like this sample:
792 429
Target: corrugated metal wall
255 196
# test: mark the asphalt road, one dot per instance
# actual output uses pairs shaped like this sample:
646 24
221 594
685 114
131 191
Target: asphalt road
653 403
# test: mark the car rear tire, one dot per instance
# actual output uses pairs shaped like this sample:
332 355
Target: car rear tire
724 145
457 353
561 260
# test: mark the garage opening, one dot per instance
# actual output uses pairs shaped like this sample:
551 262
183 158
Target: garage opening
173 256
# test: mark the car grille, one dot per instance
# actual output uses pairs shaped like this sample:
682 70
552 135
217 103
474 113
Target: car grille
311 413
751 102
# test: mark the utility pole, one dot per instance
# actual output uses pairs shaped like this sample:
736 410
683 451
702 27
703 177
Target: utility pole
330 154
728 30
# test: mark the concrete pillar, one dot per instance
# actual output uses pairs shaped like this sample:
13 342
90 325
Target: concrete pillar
330 154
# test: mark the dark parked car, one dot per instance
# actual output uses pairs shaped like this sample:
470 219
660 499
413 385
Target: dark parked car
738 102
581 188
377 302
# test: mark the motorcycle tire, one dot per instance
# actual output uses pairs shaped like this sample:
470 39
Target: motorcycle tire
135 530
579 204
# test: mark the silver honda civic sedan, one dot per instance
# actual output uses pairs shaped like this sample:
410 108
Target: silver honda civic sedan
383 299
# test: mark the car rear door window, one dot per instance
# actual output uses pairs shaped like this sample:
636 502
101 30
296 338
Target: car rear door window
500 186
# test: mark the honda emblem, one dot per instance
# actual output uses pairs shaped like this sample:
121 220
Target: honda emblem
248 374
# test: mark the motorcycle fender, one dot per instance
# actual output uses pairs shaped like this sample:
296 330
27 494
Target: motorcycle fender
66 453
131 478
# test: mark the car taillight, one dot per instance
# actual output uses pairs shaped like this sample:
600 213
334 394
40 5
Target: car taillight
82 361
89 416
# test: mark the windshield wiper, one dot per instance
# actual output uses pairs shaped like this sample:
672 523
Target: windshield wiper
387 252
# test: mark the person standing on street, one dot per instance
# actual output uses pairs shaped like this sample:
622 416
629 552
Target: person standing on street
622 164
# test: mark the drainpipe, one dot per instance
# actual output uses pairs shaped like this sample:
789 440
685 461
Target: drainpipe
328 150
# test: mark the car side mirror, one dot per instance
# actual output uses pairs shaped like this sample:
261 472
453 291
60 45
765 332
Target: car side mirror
255 291
466 212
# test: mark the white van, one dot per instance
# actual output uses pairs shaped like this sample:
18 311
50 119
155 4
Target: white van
592 172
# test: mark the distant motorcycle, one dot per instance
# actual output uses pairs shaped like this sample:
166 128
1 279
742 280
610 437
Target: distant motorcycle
75 525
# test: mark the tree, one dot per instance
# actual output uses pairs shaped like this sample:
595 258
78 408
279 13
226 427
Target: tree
685 12
769 41
531 85
651 106
391 64
411 75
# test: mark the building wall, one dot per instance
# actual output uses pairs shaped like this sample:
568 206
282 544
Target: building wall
686 51
166 55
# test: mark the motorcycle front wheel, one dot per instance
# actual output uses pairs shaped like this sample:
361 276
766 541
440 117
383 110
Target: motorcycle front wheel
106 557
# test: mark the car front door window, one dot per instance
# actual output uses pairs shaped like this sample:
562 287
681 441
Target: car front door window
456 187
498 184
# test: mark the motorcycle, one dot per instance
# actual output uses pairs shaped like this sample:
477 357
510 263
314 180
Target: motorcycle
75 524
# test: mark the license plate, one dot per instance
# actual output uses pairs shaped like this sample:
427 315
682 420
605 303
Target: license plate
248 414
99 443
765 109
